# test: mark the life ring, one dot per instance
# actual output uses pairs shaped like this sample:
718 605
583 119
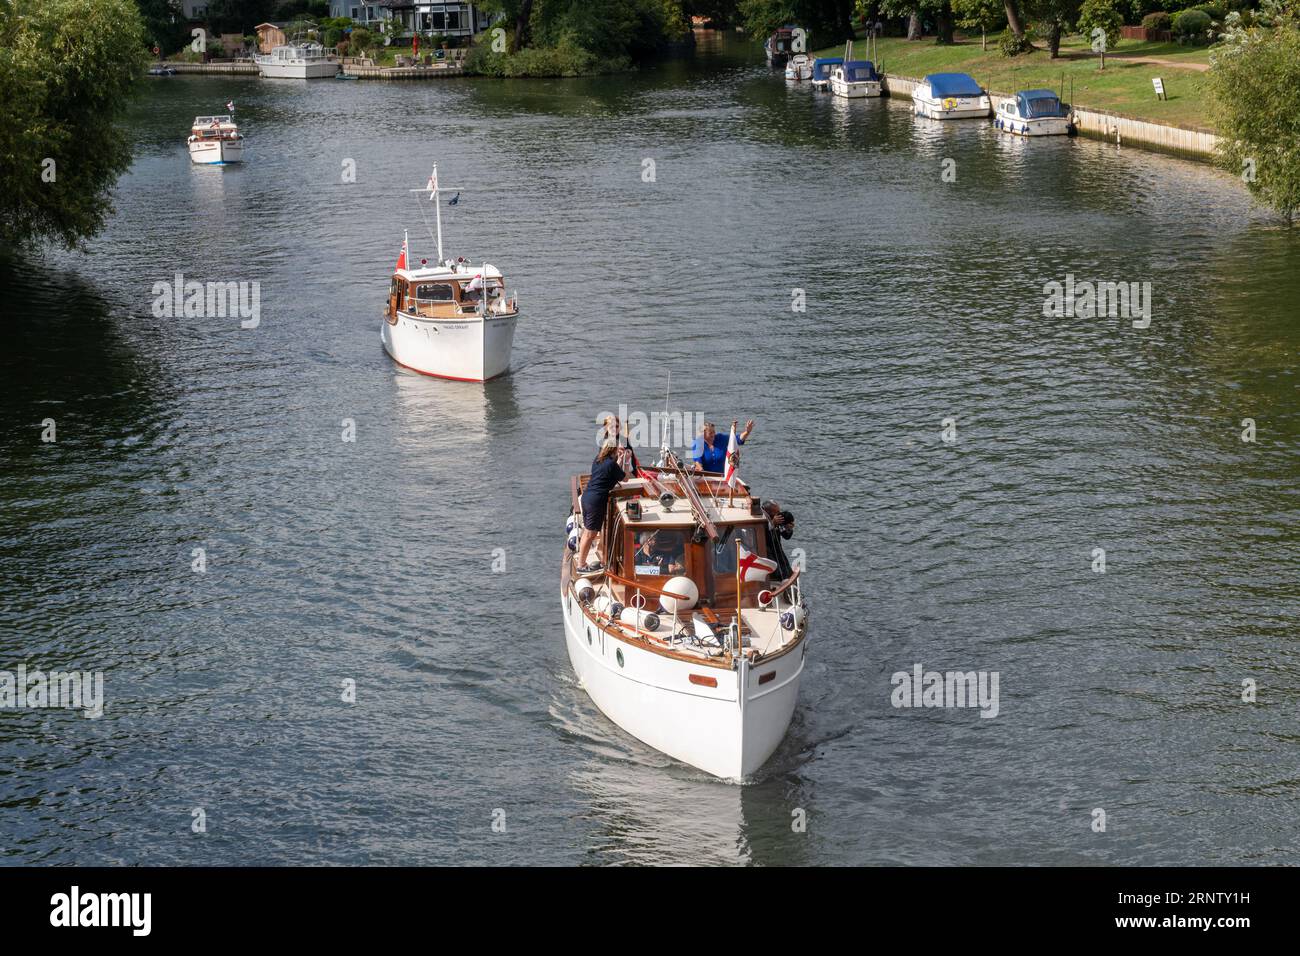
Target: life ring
949 103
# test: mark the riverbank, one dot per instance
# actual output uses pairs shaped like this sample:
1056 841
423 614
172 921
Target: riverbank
1124 88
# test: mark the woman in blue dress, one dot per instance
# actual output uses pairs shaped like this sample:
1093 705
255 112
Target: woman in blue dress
710 449
606 472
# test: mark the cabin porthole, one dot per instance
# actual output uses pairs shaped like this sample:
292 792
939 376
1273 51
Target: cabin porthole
619 654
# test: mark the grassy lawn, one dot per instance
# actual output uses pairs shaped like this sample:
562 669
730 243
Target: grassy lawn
1123 87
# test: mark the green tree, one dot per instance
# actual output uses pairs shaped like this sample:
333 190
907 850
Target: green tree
1252 81
67 68
982 15
1100 15
164 27
1053 18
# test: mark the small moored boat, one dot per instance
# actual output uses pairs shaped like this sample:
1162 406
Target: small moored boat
779 46
215 141
1033 113
798 68
452 319
685 639
855 79
821 70
944 96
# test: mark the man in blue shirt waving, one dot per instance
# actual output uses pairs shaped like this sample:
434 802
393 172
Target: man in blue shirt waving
710 449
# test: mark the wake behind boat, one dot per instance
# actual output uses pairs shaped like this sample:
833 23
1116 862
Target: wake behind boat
451 319
681 639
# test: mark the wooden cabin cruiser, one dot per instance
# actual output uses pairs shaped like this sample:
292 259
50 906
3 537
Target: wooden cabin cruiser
944 96
854 79
215 141
298 61
451 319
779 46
798 68
821 71
1033 113
684 638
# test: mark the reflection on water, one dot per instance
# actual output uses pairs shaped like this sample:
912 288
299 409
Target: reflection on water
420 559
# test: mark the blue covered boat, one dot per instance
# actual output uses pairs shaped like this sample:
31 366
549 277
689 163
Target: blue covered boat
821 71
950 96
855 78
1033 113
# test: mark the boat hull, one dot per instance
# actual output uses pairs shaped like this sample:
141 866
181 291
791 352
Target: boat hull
216 152
1043 126
652 697
469 349
296 71
949 107
855 91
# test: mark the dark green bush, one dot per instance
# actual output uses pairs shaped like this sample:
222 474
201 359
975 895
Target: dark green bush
1011 45
1158 21
1193 25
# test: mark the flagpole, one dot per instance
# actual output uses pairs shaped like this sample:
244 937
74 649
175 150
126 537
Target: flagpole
742 690
438 211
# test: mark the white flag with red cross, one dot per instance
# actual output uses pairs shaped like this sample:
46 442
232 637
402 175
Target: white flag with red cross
754 568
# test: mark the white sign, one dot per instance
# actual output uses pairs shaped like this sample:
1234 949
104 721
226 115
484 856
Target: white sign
1159 84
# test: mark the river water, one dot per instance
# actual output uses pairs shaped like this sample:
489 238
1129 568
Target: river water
379 561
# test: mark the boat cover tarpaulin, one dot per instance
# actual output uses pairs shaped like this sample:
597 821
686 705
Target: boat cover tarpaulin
953 84
1037 104
859 71
822 66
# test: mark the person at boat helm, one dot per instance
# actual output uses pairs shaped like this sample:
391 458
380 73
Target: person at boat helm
606 472
653 558
780 524
710 449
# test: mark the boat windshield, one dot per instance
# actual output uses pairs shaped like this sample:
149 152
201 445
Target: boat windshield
660 552
724 549
433 292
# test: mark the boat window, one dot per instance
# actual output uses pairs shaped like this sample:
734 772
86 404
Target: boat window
724 549
433 292
659 552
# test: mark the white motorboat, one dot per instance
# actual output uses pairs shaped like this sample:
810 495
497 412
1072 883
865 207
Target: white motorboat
944 96
451 319
298 61
682 640
854 79
215 141
1033 113
798 68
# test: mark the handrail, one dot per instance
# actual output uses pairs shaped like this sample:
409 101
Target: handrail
646 586
785 585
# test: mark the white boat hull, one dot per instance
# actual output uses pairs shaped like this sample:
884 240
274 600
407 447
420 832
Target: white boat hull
216 152
652 697
296 71
469 349
949 107
1043 126
853 91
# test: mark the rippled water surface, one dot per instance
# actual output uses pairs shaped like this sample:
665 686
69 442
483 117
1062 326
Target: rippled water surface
372 560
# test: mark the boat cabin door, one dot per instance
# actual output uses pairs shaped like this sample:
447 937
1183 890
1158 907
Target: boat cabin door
394 299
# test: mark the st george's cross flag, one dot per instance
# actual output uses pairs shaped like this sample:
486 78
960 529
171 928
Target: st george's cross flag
432 185
754 568
732 476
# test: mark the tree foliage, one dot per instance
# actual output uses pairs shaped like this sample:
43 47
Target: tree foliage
67 68
829 21
1253 78
1100 15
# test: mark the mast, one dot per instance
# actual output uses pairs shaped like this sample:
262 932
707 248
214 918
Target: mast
438 210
